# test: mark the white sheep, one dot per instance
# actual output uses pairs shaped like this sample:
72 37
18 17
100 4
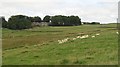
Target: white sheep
97 34
117 32
74 38
93 36
82 37
59 41
78 37
63 41
85 36
67 39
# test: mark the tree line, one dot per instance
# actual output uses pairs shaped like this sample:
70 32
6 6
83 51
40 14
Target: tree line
18 22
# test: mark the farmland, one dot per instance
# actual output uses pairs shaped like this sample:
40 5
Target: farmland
39 45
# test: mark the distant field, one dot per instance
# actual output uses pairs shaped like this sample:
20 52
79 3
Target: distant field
39 46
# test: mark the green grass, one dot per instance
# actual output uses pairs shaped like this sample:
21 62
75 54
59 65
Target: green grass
39 46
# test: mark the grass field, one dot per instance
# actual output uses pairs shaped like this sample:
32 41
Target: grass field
39 46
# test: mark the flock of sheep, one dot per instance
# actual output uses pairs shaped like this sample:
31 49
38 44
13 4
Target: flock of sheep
78 37
72 39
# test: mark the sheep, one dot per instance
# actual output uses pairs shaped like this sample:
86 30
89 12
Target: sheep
59 41
93 36
117 32
82 37
66 39
74 38
85 36
63 41
78 37
97 34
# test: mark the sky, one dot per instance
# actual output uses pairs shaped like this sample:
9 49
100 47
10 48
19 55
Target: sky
103 11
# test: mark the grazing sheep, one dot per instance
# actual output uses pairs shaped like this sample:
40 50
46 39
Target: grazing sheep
63 41
59 41
82 37
93 36
117 32
85 36
78 37
74 38
66 39
97 34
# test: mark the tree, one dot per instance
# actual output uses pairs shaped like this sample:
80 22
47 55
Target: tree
36 19
95 22
60 20
57 20
46 19
19 22
78 20
31 19
4 22
74 20
54 20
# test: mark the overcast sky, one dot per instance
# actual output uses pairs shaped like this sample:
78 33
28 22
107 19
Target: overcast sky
104 11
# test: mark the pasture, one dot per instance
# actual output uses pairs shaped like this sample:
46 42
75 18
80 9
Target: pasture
40 46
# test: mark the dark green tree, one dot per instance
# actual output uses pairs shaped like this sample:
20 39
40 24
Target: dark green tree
46 19
4 22
74 20
19 22
36 19
31 19
57 20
